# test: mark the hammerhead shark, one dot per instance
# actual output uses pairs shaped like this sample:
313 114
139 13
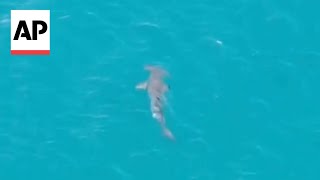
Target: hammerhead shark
156 88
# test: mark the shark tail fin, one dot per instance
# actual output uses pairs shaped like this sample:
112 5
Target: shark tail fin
168 133
142 86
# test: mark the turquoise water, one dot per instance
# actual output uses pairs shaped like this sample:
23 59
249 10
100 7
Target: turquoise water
243 105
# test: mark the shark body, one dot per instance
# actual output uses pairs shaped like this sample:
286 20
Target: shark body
156 88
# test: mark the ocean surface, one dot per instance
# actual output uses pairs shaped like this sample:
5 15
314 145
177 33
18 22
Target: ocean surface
244 99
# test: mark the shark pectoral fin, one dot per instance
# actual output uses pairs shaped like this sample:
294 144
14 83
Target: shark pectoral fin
142 86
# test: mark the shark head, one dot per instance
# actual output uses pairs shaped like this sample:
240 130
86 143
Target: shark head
156 71
155 81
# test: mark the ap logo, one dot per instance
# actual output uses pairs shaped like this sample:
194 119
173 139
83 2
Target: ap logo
30 32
